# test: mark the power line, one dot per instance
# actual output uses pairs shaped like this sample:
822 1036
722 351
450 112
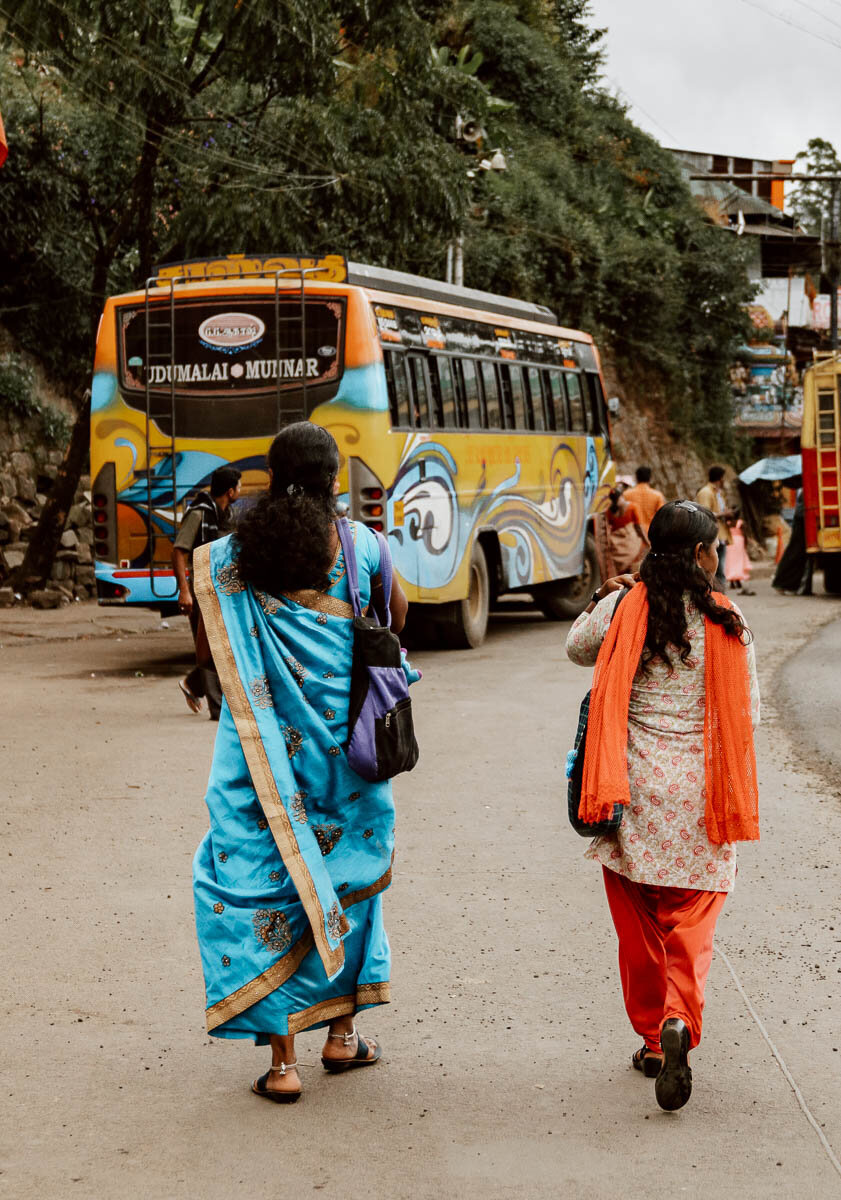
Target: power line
792 24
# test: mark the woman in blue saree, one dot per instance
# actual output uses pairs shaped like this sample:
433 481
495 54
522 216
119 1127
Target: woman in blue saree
288 881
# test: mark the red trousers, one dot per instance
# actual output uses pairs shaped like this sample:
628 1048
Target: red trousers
665 950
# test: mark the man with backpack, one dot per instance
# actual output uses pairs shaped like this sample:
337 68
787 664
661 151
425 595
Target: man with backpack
207 518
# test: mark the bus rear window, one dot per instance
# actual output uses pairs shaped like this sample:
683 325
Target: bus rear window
229 345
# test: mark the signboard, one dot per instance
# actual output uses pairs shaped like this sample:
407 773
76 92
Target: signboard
330 268
230 344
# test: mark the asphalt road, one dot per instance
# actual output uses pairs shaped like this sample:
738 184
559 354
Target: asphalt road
506 1069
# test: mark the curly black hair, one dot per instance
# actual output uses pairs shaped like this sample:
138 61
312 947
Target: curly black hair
285 542
670 573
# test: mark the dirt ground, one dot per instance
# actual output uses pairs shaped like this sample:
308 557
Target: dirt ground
506 1068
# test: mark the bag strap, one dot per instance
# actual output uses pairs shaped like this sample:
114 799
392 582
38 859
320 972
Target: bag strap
386 574
349 552
622 596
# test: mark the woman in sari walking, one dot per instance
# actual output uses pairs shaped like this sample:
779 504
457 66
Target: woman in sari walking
670 736
288 881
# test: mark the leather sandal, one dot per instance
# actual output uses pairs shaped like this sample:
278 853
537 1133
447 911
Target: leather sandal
193 702
648 1061
673 1085
336 1065
259 1088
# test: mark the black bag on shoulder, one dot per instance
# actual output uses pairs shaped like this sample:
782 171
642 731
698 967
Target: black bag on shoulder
575 770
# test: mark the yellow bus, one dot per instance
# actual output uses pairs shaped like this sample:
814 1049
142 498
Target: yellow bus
472 428
820 447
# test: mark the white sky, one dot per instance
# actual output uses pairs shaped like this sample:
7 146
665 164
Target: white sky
725 76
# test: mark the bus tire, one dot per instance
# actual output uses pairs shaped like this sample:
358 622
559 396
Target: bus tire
565 599
832 574
468 629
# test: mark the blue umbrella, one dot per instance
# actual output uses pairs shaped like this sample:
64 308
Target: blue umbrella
773 468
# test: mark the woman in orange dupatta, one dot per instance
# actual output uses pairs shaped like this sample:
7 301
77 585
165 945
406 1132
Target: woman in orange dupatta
670 736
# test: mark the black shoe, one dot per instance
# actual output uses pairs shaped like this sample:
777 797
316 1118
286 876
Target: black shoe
673 1085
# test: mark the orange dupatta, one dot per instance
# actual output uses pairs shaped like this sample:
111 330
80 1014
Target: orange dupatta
732 799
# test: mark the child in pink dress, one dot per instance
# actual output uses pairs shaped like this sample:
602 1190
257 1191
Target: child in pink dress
737 565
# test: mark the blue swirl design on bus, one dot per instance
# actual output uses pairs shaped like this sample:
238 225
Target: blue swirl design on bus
541 535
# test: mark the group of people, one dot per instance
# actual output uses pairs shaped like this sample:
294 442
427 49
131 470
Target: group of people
632 509
289 879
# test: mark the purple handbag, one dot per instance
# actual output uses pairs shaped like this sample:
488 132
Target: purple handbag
381 737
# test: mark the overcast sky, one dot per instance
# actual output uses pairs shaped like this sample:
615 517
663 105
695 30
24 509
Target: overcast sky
727 76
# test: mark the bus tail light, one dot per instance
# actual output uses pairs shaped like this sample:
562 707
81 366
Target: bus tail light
367 495
104 504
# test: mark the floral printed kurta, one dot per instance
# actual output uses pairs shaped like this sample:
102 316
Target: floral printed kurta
663 838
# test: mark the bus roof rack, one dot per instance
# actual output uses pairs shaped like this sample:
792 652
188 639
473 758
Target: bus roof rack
401 282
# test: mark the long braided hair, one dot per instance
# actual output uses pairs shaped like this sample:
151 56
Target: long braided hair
285 541
671 573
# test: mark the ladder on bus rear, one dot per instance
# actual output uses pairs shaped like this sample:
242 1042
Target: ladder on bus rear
159 318
290 411
828 437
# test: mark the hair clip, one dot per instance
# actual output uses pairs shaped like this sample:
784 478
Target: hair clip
687 504
294 489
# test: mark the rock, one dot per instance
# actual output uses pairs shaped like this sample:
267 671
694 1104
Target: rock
85 536
23 463
14 558
26 488
69 541
60 571
15 529
7 597
8 485
40 499
46 476
84 553
45 599
5 537
55 458
63 589
86 576
82 593
85 483
68 556
16 512
79 516
4 521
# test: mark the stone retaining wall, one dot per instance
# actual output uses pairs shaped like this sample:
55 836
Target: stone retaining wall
27 471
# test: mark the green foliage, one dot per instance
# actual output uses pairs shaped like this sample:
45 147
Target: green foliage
176 128
811 202
19 398
17 387
594 218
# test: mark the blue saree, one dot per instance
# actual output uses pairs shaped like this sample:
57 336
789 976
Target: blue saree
288 881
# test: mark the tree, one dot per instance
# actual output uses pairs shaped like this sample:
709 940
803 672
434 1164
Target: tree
593 217
811 202
165 129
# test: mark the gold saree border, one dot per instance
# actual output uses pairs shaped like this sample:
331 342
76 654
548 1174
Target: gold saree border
262 776
263 985
340 1006
320 602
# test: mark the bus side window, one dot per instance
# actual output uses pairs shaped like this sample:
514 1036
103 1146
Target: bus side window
597 405
557 400
398 391
518 396
492 397
536 394
418 390
578 422
446 391
472 411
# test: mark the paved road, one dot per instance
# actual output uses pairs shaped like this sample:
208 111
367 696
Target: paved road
506 1070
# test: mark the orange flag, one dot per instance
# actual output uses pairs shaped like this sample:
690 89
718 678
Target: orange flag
4 149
